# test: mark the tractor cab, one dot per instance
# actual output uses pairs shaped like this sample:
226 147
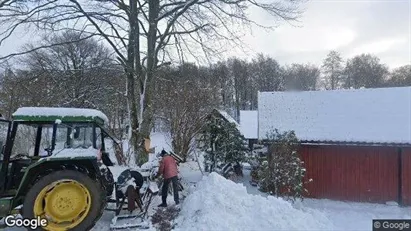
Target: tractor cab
41 141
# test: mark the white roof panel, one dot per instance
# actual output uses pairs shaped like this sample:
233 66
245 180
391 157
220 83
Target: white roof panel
249 124
381 115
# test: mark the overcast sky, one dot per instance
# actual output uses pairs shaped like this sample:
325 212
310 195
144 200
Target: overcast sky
349 26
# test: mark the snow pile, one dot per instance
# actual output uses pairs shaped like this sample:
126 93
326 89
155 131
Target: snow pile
220 204
60 112
249 124
369 115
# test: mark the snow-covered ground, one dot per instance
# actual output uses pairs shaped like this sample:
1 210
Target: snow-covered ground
215 200
344 215
220 204
214 203
160 141
356 216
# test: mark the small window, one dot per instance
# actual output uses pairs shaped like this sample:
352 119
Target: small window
61 138
98 138
4 127
46 137
25 140
82 137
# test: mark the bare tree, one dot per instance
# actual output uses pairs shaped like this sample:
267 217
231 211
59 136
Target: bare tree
301 77
332 69
171 28
365 70
74 72
400 77
185 97
239 74
9 91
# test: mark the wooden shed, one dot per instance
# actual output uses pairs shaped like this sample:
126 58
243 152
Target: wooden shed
356 144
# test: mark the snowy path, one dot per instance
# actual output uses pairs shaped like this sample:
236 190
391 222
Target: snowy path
356 216
345 215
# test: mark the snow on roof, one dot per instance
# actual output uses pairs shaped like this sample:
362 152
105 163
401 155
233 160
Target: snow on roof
249 124
37 113
380 115
229 118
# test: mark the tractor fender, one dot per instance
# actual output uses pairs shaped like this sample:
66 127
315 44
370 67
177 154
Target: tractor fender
44 166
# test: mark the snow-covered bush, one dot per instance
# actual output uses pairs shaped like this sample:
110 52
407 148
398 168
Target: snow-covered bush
283 172
222 143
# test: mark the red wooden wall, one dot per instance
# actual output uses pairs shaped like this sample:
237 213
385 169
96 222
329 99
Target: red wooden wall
354 173
406 176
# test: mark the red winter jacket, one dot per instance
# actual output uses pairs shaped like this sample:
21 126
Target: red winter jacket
168 167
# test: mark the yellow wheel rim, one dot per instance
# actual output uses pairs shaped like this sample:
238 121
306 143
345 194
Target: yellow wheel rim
65 204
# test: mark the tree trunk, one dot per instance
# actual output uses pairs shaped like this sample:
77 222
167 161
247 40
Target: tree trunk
133 114
133 71
237 99
147 119
146 86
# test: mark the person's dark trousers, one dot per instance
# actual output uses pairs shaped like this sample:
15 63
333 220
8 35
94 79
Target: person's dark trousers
164 191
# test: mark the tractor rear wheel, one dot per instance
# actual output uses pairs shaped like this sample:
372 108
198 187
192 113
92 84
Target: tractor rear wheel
69 200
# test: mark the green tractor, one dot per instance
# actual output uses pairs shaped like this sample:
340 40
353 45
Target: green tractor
53 166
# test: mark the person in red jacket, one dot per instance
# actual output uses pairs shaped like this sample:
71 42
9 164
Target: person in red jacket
168 168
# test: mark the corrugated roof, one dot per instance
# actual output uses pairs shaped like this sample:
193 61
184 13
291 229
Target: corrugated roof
381 115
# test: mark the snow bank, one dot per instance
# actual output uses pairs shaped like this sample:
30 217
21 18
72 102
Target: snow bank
60 112
220 204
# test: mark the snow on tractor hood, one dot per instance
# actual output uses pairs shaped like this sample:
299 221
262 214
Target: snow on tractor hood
50 113
76 152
